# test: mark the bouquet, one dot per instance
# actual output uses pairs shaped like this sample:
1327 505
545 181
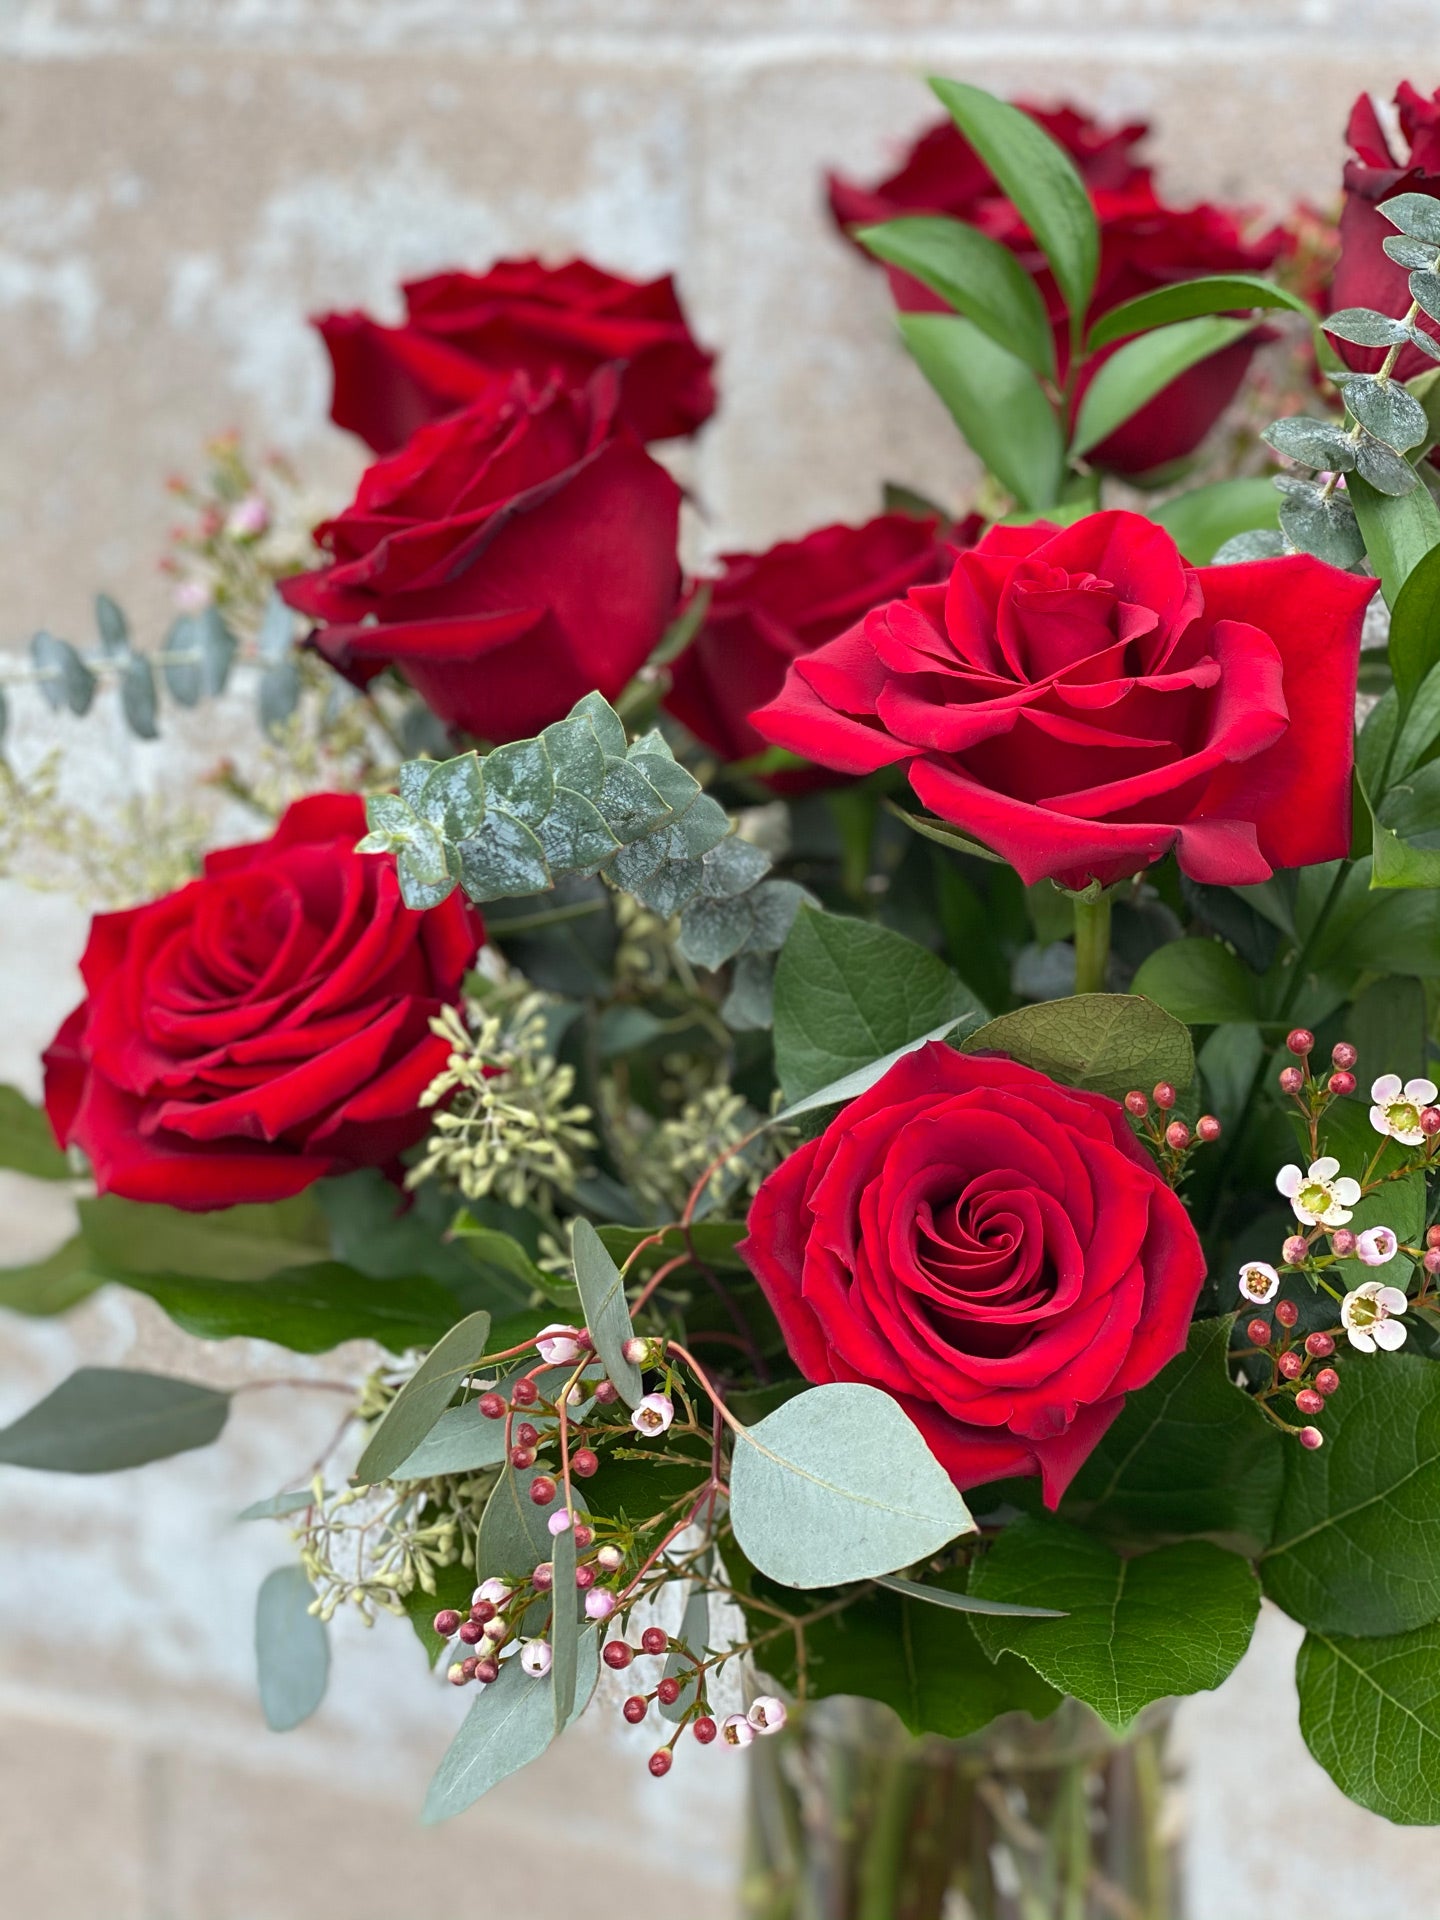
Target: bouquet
873 1100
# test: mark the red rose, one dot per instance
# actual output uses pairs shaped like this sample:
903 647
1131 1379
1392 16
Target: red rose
1144 244
766 609
1365 275
508 560
1082 700
462 330
997 1251
262 1027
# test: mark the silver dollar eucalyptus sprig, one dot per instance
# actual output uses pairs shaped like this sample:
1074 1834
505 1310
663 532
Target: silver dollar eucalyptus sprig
581 799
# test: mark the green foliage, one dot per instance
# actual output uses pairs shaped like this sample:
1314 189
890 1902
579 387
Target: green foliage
1355 1549
564 1628
838 1485
975 275
292 1650
1173 1621
1187 300
1133 376
1199 981
308 1309
53 1285
453 1587
1370 1714
607 1315
424 1397
1398 533
103 1419
129 1237
995 400
26 1143
1201 521
514 1531
462 1440
848 992
1105 1042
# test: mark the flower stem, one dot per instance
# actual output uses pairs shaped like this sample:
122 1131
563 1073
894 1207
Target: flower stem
1092 944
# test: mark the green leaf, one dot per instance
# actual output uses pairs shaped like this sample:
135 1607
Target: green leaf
1398 531
423 1398
1417 214
382 1232
607 1313
199 650
838 1485
1370 1714
1356 1548
1199 981
1213 293
1323 445
53 1285
1201 521
1387 471
975 275
292 1650
1105 1042
309 1309
103 1419
63 677
564 1628
1415 629
461 1441
695 1632
234 1243
1042 181
1387 1024
26 1143
1173 1621
995 400
514 1531
511 1724
848 992
960 1602
1322 525
453 1587
1387 410
1190 1454
1133 376
276 1506
850 1085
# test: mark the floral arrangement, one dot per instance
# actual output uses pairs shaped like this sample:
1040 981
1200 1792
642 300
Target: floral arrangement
875 1098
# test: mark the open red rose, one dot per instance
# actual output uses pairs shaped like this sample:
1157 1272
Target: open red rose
1365 275
507 561
1082 701
1144 244
995 1250
766 609
264 1026
463 330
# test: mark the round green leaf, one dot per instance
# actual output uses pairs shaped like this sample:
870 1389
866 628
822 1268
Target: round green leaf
292 1650
1370 1714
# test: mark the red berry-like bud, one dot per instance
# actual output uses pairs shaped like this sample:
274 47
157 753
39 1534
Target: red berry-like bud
522 1457
1286 1312
471 1632
1164 1095
584 1463
492 1406
661 1762
1258 1333
654 1640
1342 1083
606 1393
1432 1236
1296 1250
1343 1055
704 1729
1430 1121
1177 1136
1291 1080
1300 1041
447 1621
483 1610
456 1674
543 1578
1208 1128
1343 1243
468 1666
1431 1262
524 1393
617 1654
542 1489
1291 1364
1137 1104
487 1670
526 1435
584 1577
668 1692
1319 1346
1311 1438
1308 1401
635 1709
584 1536
1327 1379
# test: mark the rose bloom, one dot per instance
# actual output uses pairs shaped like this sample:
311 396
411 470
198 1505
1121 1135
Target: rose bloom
462 330
1144 244
1081 701
993 1249
766 609
509 559
1365 275
262 1027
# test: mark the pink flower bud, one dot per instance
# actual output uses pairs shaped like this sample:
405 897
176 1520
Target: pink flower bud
1343 1243
535 1658
1208 1128
1164 1095
1137 1105
559 1346
1177 1136
1327 1380
736 1730
1291 1080
1341 1083
1291 1364
559 1522
1319 1346
1430 1122
611 1558
1300 1041
600 1603
1258 1333
1342 1054
1286 1312
1311 1438
1308 1401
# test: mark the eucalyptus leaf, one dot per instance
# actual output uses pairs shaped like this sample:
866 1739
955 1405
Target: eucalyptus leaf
461 1441
1364 327
64 678
292 1650
138 700
1323 526
424 1397
564 1628
104 1419
1425 291
1321 444
1387 471
112 626
1415 214
1105 1042
53 1285
1385 409
510 1724
607 1313
960 1602
1406 252
695 1632
514 1531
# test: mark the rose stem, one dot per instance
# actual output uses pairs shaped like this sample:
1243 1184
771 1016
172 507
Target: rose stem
1092 944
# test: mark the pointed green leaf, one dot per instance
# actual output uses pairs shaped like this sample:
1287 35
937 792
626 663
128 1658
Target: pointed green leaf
1201 521
602 1291
564 1628
1133 376
962 1602
995 400
27 1144
510 1724
292 1650
1370 1714
309 1309
1213 293
423 1398
975 275
1105 1042
103 1419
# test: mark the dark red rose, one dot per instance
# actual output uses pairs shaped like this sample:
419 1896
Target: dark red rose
463 330
766 609
1365 275
1082 701
508 560
995 1250
1144 244
264 1026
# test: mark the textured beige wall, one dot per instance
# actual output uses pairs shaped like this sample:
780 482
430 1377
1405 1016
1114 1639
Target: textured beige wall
180 181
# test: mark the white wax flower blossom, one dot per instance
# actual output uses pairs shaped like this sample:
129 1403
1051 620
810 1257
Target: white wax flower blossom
1366 1315
600 1603
767 1714
1259 1282
495 1591
1376 1246
736 1730
654 1414
248 517
1320 1198
535 1658
559 1346
1397 1109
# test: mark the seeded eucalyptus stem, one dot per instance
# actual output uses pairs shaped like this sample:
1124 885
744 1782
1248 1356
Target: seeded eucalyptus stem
1092 943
